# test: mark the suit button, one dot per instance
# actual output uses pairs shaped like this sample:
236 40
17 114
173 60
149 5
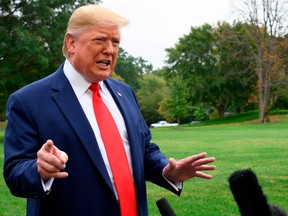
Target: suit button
35 195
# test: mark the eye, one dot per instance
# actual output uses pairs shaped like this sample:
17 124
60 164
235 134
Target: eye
99 40
115 42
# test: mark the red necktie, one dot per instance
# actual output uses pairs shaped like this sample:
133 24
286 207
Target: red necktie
116 154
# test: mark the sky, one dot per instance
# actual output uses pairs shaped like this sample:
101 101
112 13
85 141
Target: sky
155 25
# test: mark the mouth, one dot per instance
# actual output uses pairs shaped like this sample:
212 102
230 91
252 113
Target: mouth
104 63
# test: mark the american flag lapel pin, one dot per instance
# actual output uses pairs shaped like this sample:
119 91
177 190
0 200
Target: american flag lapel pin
119 94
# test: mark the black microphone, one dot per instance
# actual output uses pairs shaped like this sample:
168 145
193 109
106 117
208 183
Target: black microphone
249 196
165 208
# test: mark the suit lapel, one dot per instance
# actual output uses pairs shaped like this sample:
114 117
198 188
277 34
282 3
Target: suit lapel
129 114
67 101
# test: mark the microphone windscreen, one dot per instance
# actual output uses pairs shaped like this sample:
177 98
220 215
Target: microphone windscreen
165 208
248 193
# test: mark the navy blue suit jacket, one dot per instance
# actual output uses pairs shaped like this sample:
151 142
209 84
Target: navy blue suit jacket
49 109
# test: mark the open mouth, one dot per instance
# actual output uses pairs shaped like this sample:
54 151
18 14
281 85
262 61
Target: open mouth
104 63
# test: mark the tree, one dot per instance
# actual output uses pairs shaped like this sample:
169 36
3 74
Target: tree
193 59
235 65
131 68
268 21
175 105
211 62
31 39
152 90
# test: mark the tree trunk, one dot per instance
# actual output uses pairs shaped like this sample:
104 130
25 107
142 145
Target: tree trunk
264 113
263 69
267 19
221 111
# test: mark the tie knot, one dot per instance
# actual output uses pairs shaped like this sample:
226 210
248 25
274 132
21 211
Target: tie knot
94 87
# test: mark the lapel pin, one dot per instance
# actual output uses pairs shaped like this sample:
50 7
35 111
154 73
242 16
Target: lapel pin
119 94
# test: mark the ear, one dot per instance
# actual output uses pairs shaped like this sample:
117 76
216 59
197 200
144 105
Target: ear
70 43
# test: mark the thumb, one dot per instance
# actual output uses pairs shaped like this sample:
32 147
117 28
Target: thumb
63 157
172 163
168 169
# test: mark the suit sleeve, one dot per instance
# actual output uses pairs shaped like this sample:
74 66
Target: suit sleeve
154 160
20 149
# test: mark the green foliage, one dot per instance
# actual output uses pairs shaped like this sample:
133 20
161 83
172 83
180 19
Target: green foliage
238 118
151 92
175 105
31 40
281 103
214 115
131 68
236 64
215 65
199 113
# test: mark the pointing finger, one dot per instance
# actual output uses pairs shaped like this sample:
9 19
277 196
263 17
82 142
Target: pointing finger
49 146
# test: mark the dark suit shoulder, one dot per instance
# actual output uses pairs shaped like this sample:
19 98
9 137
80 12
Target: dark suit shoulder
117 83
45 83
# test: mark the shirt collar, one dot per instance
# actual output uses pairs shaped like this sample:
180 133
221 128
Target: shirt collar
77 81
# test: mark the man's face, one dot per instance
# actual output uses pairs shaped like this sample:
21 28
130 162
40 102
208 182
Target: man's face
94 52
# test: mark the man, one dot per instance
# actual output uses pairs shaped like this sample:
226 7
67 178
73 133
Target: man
53 119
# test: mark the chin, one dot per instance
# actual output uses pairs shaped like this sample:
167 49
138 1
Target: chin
100 76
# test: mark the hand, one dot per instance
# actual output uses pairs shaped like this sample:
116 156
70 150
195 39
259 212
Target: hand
184 169
50 161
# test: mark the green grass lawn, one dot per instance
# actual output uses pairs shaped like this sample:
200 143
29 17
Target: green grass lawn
9 205
261 147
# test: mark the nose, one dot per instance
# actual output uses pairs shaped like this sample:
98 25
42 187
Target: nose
108 48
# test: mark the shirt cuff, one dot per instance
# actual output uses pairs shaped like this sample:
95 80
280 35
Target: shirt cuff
47 185
176 185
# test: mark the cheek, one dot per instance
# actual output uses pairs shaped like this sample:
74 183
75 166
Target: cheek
114 57
86 51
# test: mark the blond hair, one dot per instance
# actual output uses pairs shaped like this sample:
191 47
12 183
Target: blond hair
91 16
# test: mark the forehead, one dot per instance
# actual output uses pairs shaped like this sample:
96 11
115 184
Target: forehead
109 31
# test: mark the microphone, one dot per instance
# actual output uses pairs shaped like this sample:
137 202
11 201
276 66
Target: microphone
249 196
165 208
